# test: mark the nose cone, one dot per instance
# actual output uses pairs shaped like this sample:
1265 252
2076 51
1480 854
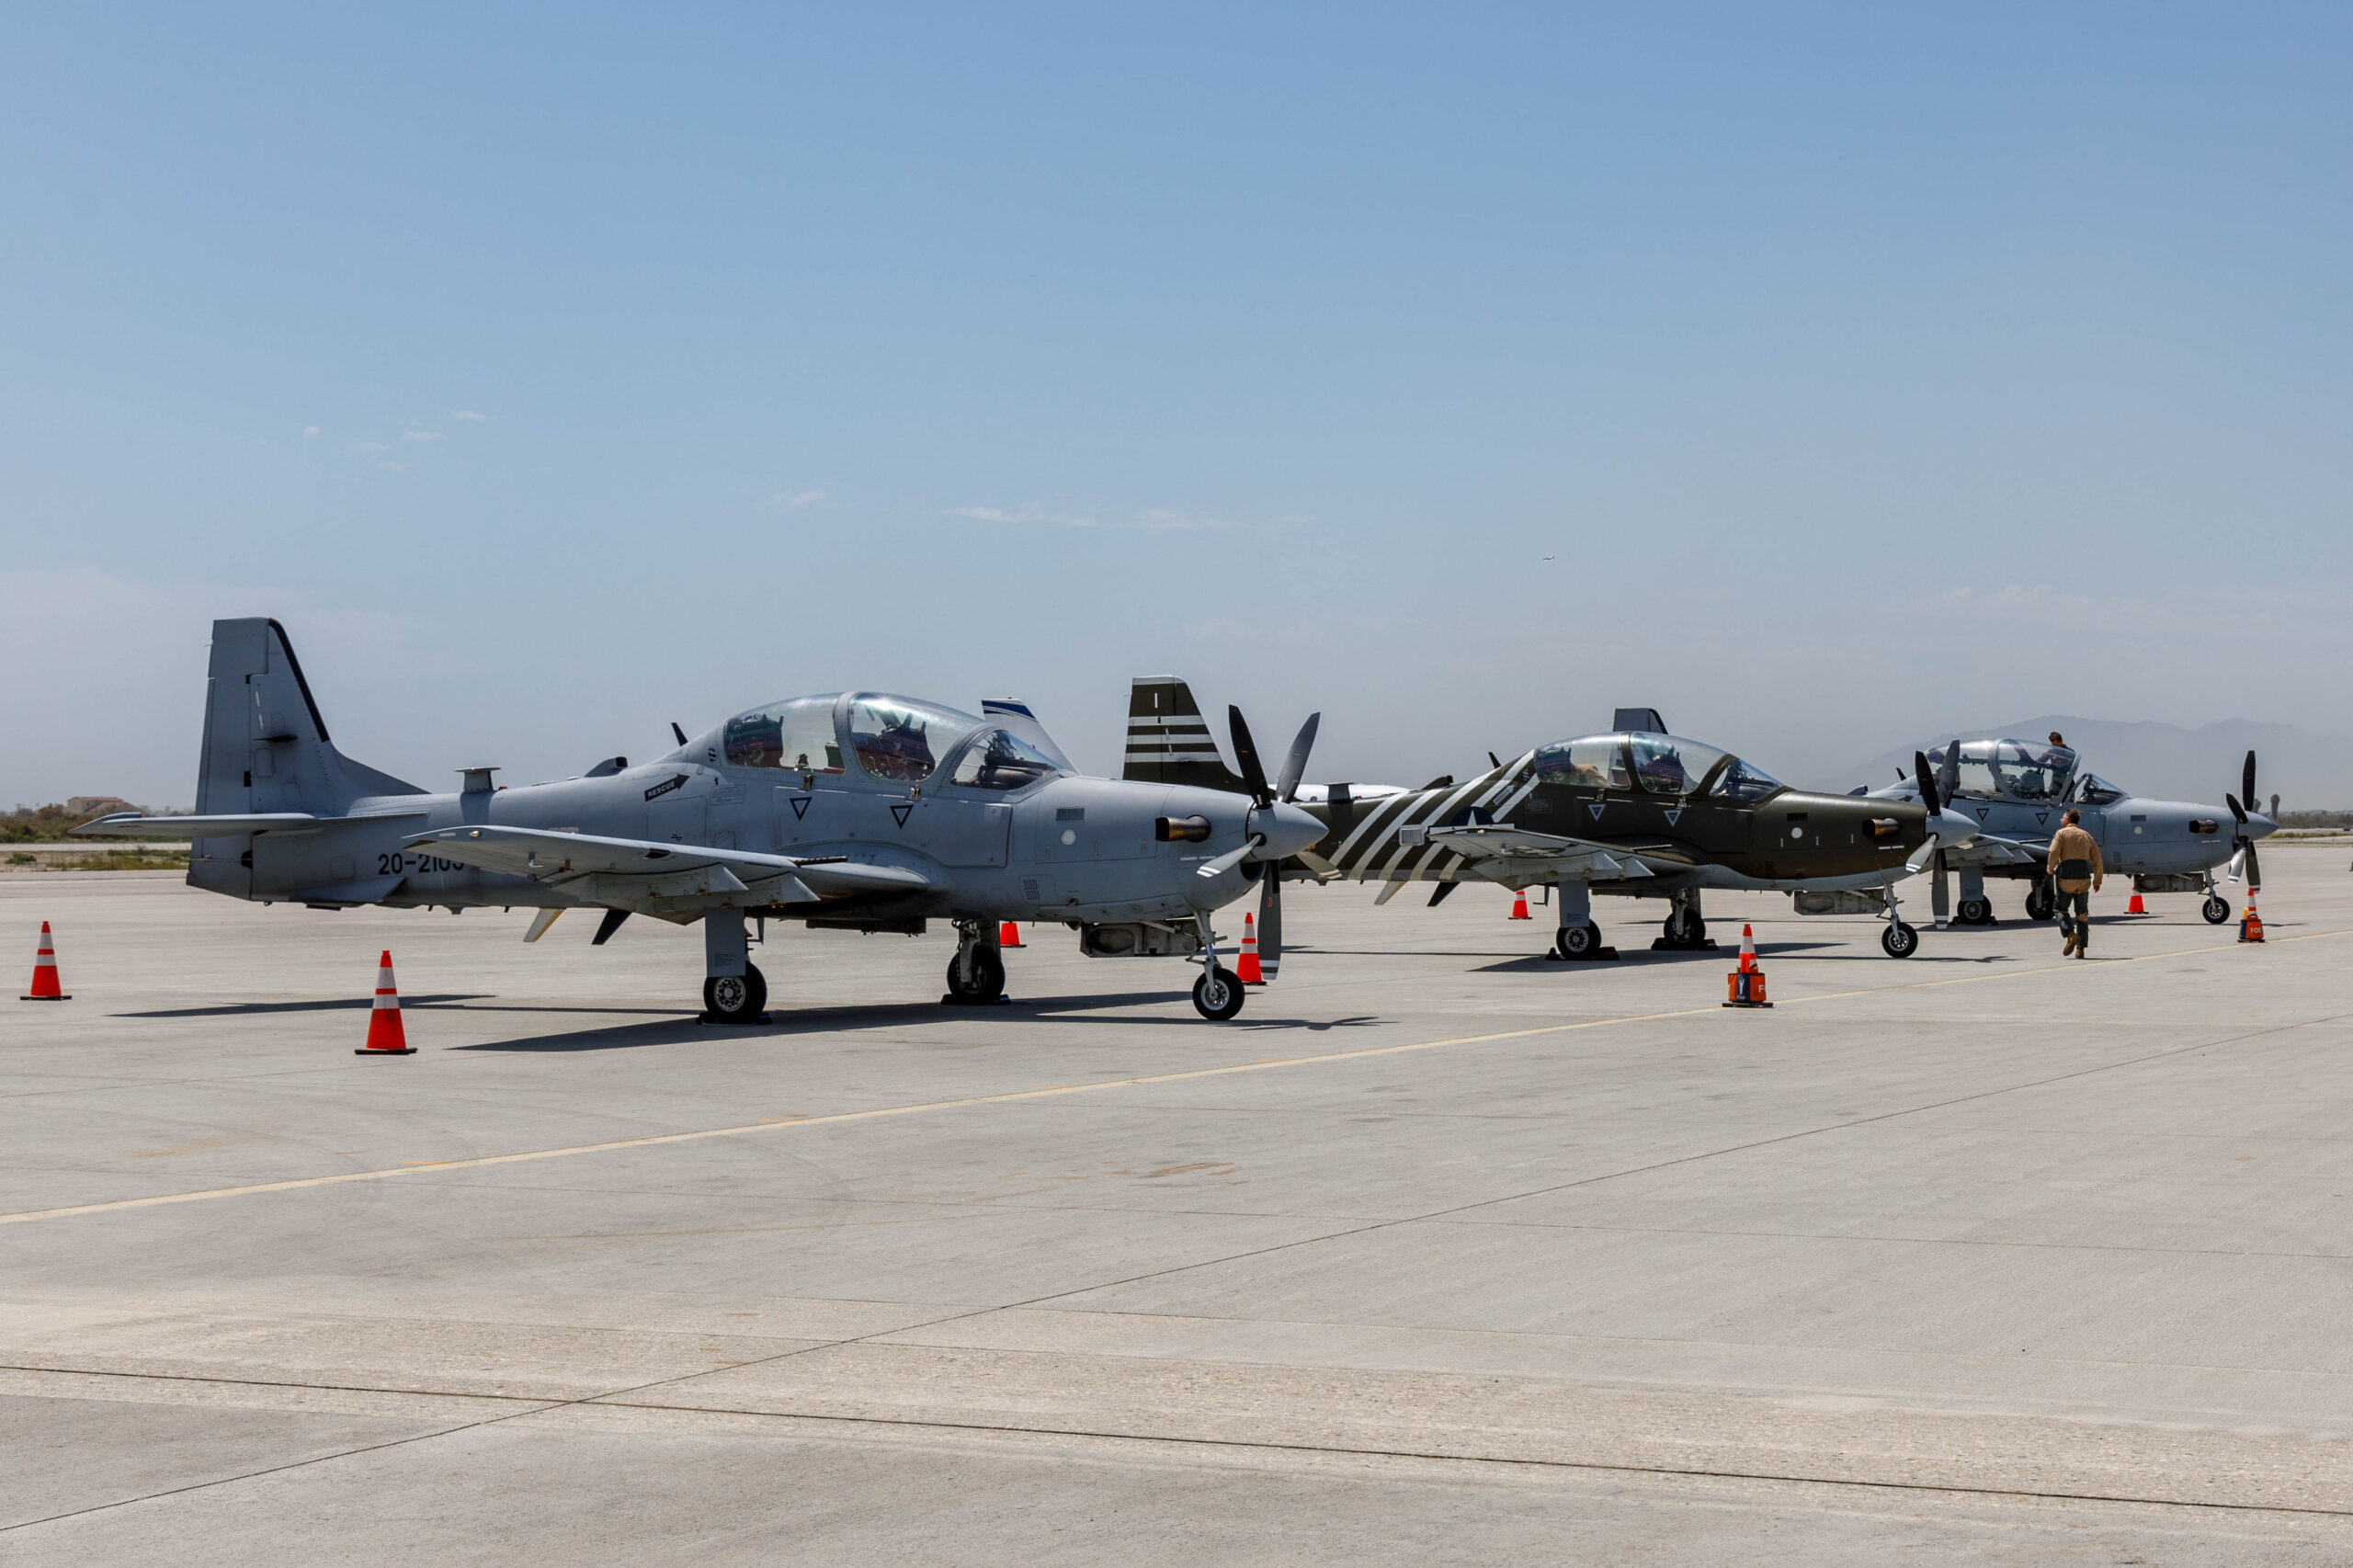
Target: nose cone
1951 827
1289 830
2260 826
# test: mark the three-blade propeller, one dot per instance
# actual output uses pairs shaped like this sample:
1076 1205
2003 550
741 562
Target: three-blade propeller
1262 797
2245 864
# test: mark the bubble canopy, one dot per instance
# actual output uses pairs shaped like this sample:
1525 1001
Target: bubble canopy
1653 765
900 740
2017 770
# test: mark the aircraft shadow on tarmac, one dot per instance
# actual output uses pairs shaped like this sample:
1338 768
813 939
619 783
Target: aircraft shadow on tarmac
235 1009
1080 1011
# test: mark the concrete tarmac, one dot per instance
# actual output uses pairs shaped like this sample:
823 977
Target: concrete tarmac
1441 1253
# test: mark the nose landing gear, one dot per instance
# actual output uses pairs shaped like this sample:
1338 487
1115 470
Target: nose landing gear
1217 994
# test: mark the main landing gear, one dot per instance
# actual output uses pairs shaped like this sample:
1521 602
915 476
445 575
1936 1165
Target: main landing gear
1578 938
734 989
976 974
2041 903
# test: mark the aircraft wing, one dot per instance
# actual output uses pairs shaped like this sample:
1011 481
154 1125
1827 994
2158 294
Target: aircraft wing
1494 841
630 869
1985 849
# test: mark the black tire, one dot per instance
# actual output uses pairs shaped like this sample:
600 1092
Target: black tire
1218 996
2216 909
988 977
1900 941
730 1000
1976 912
1577 941
2040 902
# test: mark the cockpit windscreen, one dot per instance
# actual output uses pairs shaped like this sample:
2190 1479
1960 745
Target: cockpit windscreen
996 760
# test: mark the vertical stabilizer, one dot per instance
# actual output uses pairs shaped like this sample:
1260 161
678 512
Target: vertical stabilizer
1169 742
266 748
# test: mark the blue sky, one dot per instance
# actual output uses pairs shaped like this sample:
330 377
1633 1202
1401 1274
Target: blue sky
552 373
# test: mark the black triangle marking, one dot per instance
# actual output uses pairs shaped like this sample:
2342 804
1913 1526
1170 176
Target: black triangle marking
901 811
800 807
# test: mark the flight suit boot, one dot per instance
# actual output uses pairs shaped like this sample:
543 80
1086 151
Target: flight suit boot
2083 938
2067 927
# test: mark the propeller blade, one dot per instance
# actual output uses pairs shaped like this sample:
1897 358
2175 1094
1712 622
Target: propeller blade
2238 862
1949 774
1927 783
2254 871
1270 923
2236 810
1940 893
2246 783
1230 858
1287 787
1918 859
1245 752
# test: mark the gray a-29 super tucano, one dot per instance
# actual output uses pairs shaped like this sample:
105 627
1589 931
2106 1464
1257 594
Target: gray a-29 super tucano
857 811
1635 812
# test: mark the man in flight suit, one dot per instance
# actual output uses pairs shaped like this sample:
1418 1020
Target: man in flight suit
2076 873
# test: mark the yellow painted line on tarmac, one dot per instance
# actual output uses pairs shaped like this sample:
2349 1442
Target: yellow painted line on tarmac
1043 1092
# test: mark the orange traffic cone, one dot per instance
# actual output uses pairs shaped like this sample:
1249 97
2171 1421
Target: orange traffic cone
385 1037
2136 906
45 972
1745 986
2250 924
1519 904
1246 970
1008 935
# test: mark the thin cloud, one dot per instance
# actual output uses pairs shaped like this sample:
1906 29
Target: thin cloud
1154 520
420 435
469 416
309 431
790 500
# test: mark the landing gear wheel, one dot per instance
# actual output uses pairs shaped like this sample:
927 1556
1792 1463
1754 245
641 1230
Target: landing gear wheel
1900 941
2216 909
1577 941
1218 996
736 999
988 977
1976 912
2040 904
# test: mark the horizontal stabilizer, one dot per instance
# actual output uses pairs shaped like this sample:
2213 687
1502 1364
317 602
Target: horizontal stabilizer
133 827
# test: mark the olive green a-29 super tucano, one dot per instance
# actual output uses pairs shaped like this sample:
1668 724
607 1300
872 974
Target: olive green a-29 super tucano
1634 811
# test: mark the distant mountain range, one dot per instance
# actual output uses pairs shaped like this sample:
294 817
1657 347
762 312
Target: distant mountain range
2166 762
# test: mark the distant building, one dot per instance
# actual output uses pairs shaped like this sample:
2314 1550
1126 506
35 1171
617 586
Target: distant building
98 805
